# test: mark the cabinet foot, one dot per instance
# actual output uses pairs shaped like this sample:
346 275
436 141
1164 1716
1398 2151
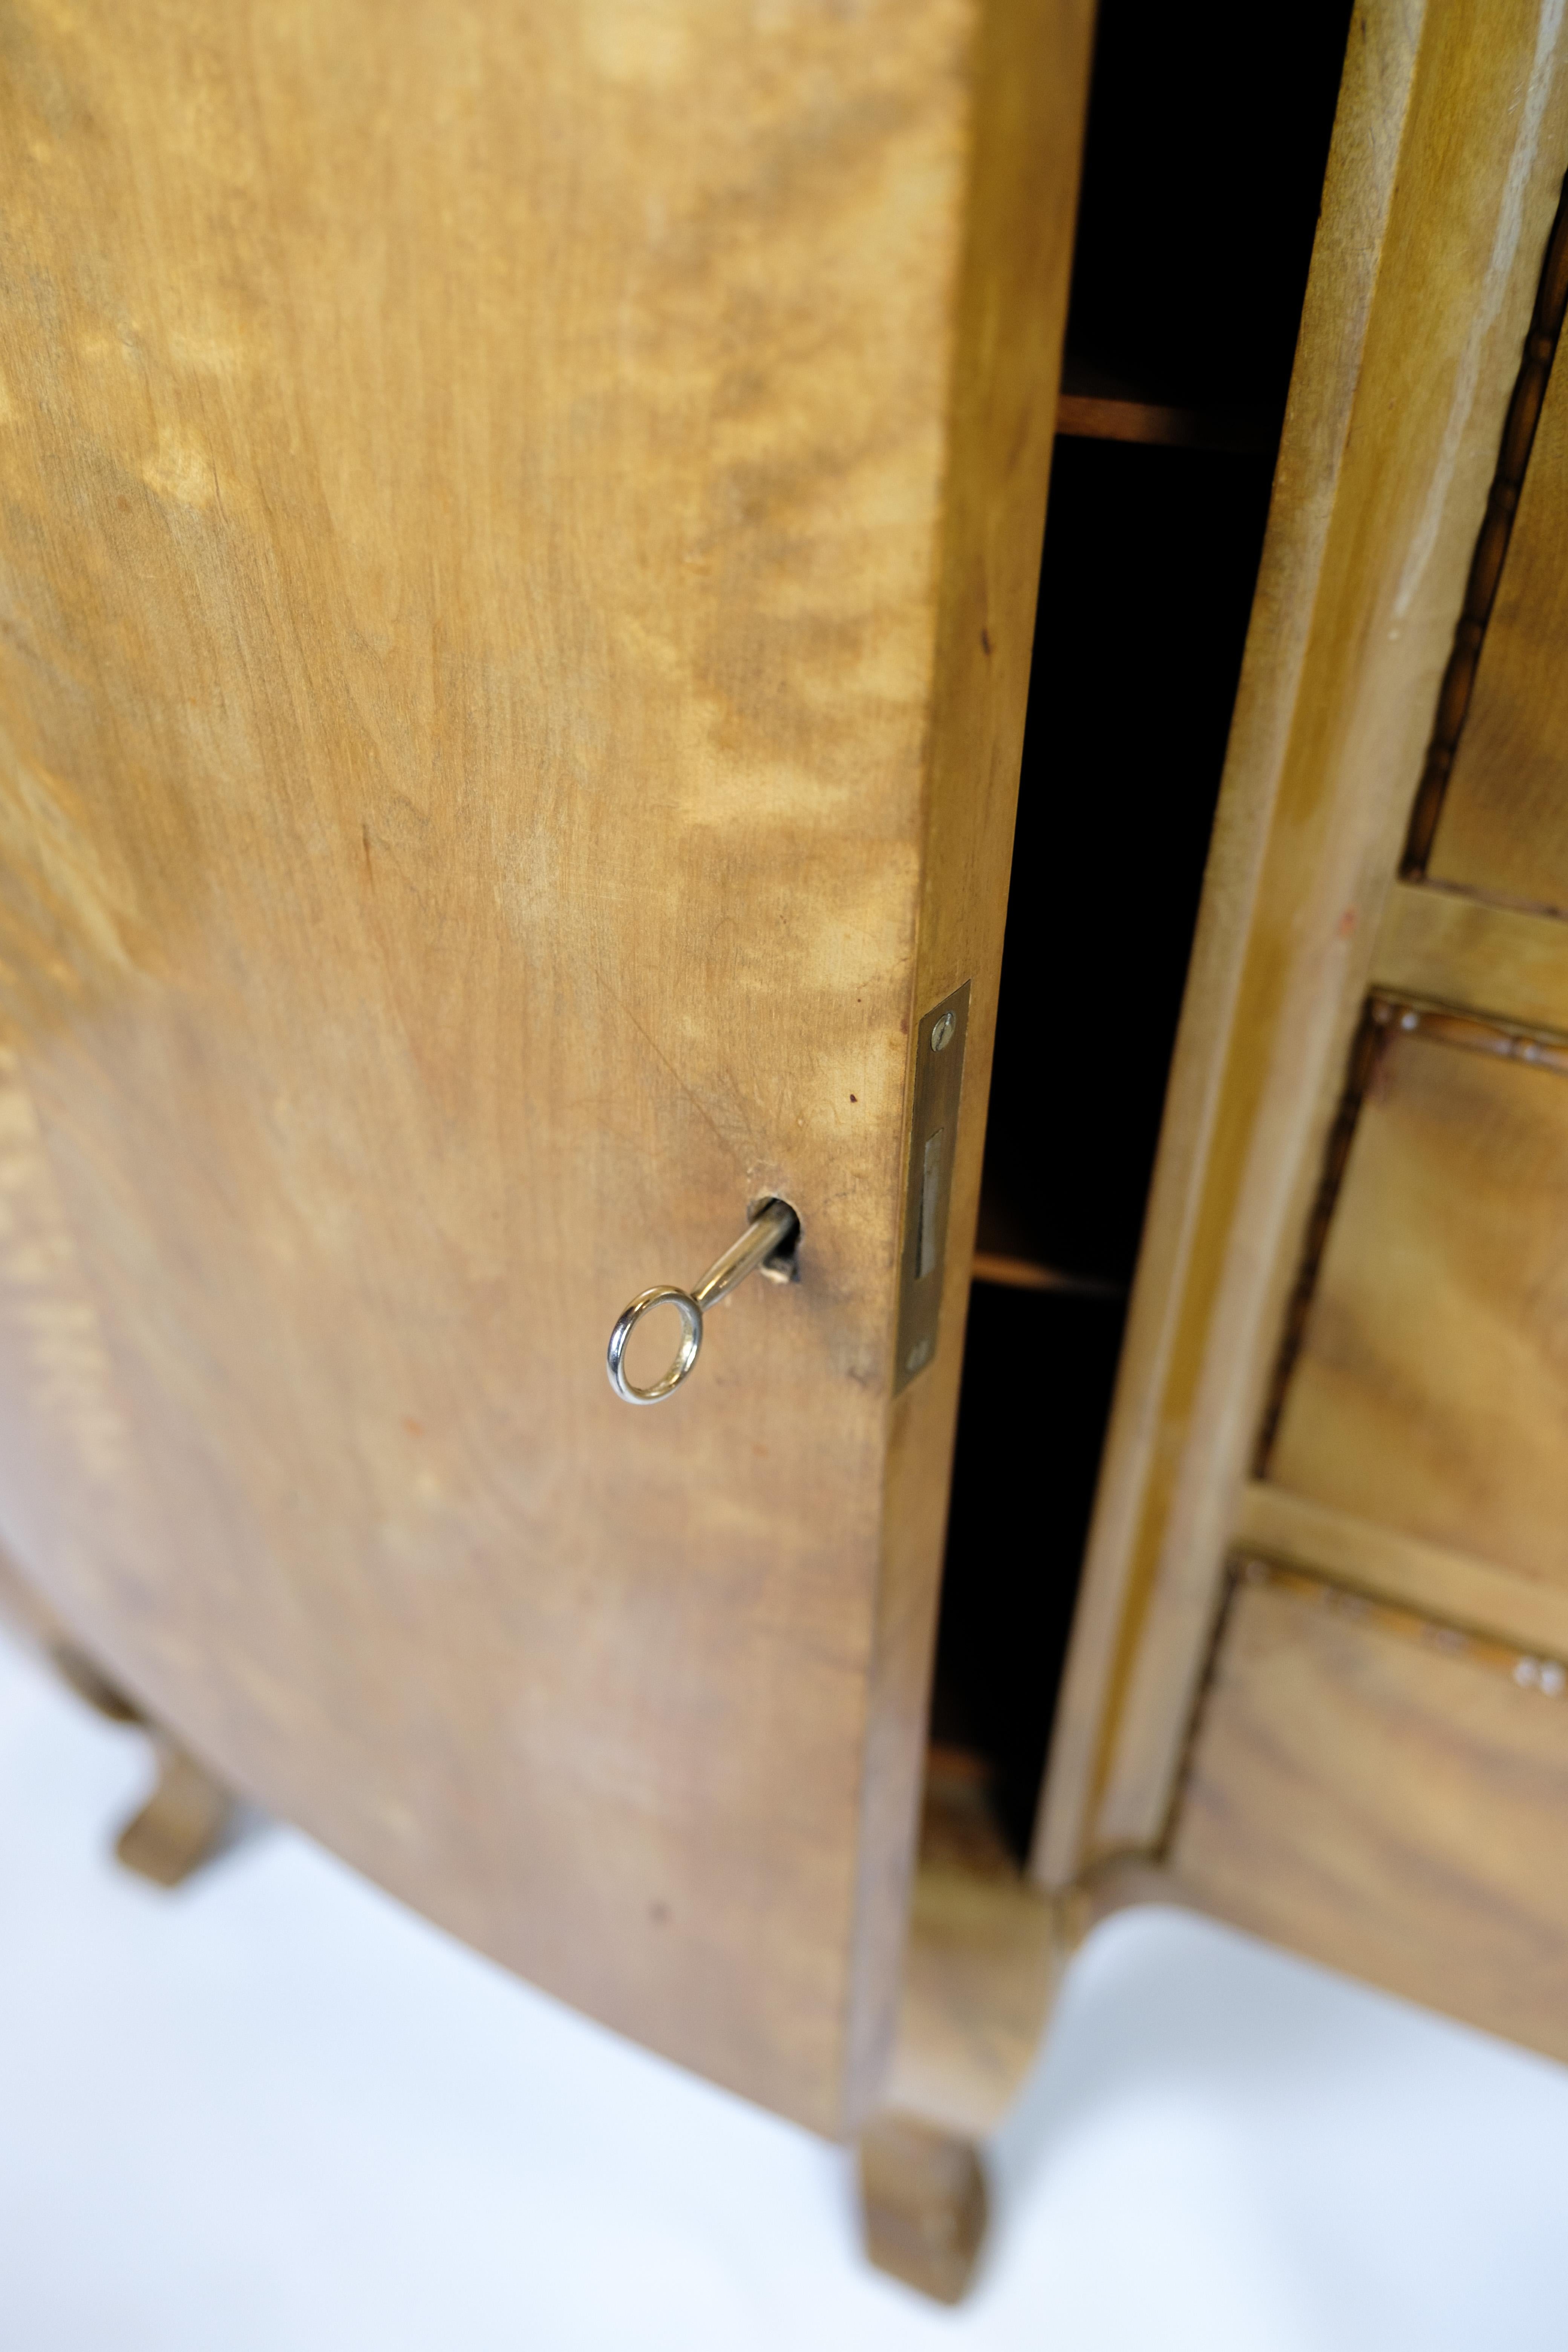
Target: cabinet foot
189 1817
922 2203
183 1822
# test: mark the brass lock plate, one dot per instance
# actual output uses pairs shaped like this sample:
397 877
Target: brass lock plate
933 1136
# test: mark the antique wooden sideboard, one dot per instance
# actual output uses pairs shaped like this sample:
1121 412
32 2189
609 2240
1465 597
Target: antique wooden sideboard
523 594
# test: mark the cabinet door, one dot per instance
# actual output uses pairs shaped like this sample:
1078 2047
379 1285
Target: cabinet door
519 534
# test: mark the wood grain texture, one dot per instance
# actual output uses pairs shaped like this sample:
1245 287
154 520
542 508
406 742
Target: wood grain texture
1447 153
1455 1586
1386 1804
923 2205
980 1965
1431 1390
1031 72
184 1822
1441 947
188 1815
1504 823
26 1617
519 562
1491 544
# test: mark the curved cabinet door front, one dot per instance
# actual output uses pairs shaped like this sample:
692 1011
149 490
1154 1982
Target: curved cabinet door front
519 533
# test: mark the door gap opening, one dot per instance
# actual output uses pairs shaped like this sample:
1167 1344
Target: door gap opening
1207 143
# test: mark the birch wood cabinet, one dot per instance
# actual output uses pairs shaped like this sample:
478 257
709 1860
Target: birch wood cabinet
523 595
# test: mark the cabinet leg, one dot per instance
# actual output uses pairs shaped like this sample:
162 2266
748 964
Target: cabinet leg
922 2203
183 1822
189 1814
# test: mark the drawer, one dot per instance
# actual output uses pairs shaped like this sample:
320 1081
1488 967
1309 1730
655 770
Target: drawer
1503 827
1387 1796
1430 1388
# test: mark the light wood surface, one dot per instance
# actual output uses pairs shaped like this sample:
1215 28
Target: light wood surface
1440 947
1385 1797
923 2205
1431 1389
1030 61
183 1823
1504 823
1491 553
1457 1586
522 532
1447 160
980 1966
25 1616
188 1814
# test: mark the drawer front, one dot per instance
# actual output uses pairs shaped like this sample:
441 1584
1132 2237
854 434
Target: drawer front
1504 823
1430 1389
1388 1797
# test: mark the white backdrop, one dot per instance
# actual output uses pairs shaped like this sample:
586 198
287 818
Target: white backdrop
274 2113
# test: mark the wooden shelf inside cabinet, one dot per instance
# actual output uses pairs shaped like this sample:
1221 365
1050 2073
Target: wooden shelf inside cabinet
1097 403
1026 1274
1098 416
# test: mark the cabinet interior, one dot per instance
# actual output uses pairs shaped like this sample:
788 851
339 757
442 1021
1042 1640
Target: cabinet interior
1207 142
